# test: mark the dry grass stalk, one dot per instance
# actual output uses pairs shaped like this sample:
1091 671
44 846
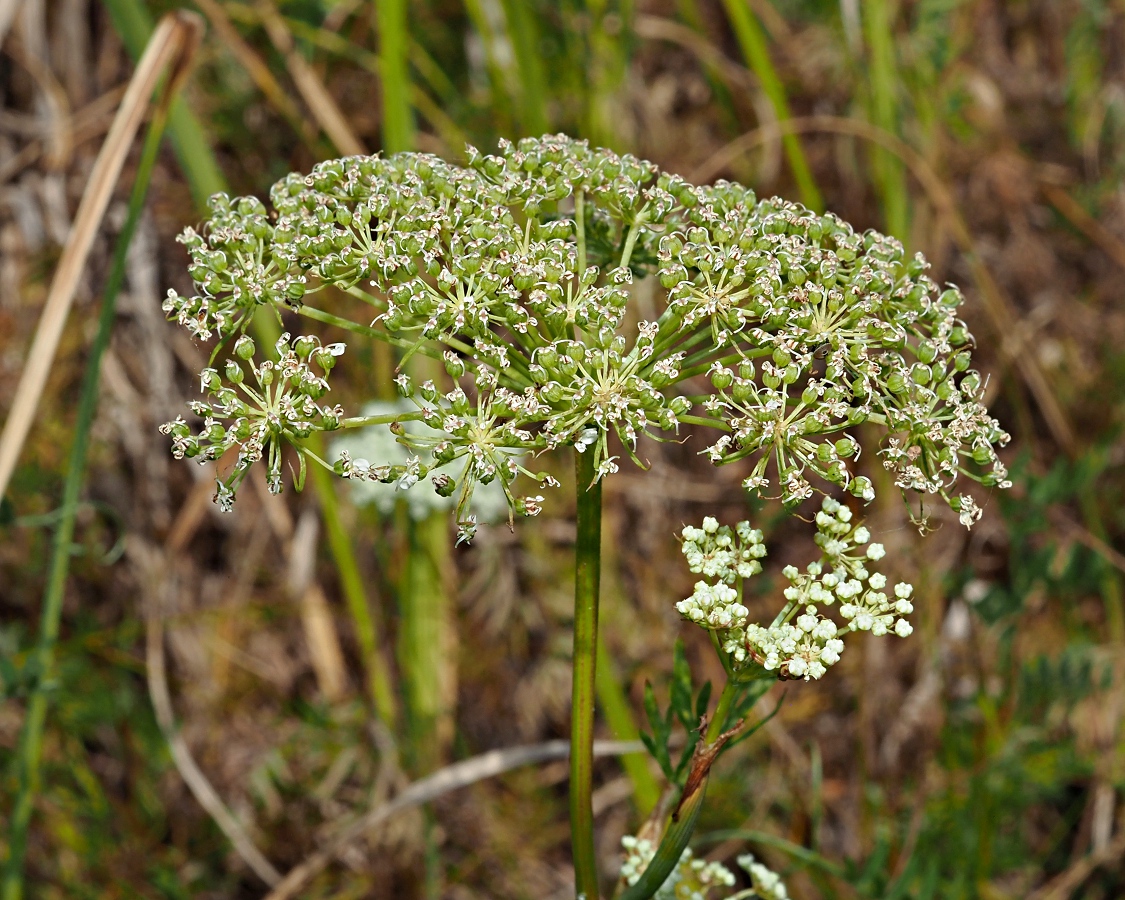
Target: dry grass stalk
258 70
172 43
321 103
451 778
1076 214
153 567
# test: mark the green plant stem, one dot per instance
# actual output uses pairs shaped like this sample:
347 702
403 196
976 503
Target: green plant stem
671 848
587 578
722 711
394 45
355 597
889 173
31 739
684 819
752 41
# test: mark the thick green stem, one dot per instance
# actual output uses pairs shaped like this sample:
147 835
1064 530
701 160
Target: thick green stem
31 739
587 578
394 41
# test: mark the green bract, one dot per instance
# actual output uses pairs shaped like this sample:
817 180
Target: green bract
776 326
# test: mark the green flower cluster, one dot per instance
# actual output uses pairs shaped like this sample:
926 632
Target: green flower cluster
281 407
781 328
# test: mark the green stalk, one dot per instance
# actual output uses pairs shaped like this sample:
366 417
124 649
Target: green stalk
31 739
587 579
394 45
889 173
752 40
425 637
133 24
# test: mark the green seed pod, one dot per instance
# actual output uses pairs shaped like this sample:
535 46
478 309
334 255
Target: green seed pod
244 347
921 373
234 372
746 370
721 378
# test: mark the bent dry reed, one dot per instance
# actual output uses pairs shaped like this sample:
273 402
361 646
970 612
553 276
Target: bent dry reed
780 330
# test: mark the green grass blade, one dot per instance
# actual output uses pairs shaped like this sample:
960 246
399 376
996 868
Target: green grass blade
30 750
619 716
379 681
523 31
752 41
134 26
890 176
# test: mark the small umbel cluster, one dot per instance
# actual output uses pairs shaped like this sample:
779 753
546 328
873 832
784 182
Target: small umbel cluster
778 327
803 640
698 879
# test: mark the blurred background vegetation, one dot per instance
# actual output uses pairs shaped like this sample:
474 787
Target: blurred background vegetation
310 656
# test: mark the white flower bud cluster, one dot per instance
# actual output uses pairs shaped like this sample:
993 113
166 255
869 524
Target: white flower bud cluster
767 884
692 879
727 556
518 271
802 642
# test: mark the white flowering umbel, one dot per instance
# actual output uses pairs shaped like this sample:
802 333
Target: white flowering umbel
778 327
692 879
803 640
698 879
765 883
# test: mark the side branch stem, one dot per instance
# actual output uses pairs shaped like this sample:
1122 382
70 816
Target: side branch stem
587 577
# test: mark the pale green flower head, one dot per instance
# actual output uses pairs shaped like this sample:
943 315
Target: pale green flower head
781 329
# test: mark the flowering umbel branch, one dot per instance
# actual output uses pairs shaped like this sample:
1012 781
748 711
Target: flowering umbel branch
781 328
